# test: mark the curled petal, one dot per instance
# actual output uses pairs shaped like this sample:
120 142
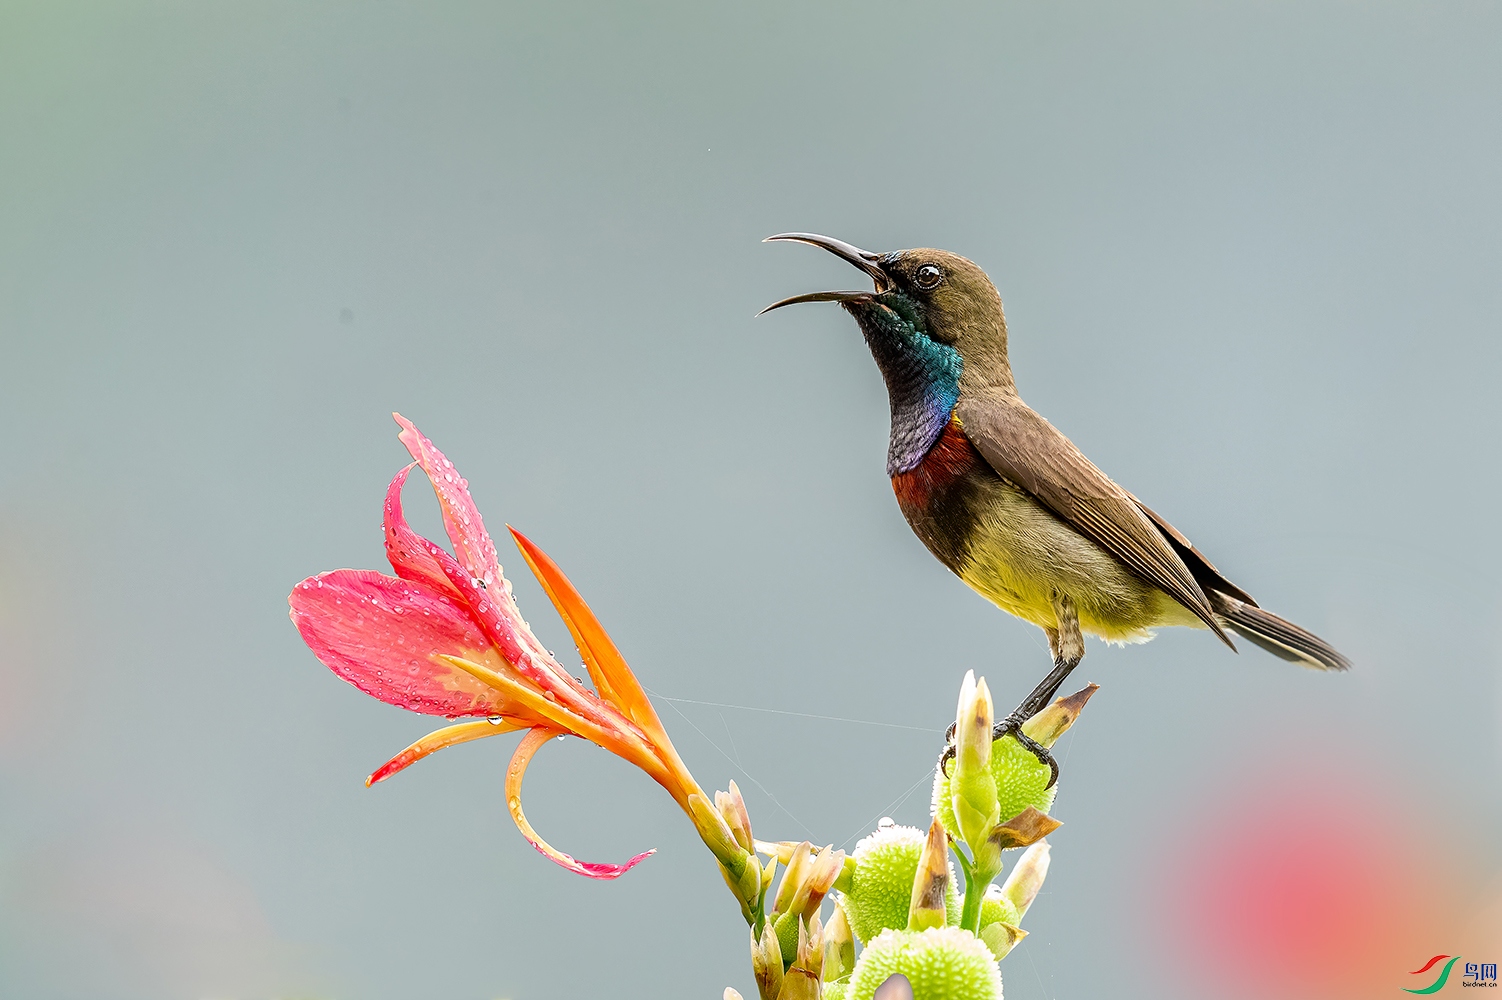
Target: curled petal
1027 827
530 744
448 736
385 636
474 571
461 518
408 551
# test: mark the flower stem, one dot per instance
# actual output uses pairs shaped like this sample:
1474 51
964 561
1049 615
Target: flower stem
975 891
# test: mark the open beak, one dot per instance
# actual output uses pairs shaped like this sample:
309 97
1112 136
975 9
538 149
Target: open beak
863 259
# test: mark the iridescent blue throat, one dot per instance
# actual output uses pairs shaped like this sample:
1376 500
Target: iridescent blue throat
922 376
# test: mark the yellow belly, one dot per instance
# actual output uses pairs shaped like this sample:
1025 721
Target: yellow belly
1021 554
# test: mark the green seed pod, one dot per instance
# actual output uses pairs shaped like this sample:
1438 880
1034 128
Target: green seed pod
881 886
996 908
942 963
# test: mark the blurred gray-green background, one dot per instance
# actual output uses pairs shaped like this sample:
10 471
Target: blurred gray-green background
1250 257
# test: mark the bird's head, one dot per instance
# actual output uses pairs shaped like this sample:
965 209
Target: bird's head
935 326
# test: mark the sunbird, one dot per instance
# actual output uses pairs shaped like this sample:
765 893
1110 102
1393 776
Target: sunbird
1006 501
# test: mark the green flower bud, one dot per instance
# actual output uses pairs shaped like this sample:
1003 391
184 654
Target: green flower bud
973 788
1021 887
839 947
766 963
747 888
795 872
733 810
786 927
836 991
942 963
717 837
801 980
881 885
931 882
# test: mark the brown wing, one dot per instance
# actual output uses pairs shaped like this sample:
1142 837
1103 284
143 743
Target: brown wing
1026 449
1205 574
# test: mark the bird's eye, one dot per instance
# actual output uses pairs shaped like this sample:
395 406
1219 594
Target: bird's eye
928 276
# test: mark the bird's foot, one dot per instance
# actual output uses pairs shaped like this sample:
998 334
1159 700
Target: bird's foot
1010 726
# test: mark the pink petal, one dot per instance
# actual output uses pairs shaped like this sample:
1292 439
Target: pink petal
497 615
474 574
529 746
404 547
382 635
461 518
414 557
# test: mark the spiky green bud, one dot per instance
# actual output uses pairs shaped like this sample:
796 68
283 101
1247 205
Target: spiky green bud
942 963
998 922
997 908
881 883
1021 781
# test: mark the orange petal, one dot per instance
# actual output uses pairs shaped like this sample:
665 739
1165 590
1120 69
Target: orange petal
607 668
530 744
464 732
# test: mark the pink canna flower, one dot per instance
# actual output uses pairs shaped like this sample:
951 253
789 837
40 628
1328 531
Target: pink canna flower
444 637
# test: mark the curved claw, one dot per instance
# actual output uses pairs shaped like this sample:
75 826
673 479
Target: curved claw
529 746
1032 746
945 758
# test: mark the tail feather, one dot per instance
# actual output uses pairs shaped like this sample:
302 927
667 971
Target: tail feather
1278 636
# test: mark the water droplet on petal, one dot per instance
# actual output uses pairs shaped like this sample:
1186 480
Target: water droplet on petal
495 720
885 823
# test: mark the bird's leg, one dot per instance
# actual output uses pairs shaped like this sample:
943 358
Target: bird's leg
1067 644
